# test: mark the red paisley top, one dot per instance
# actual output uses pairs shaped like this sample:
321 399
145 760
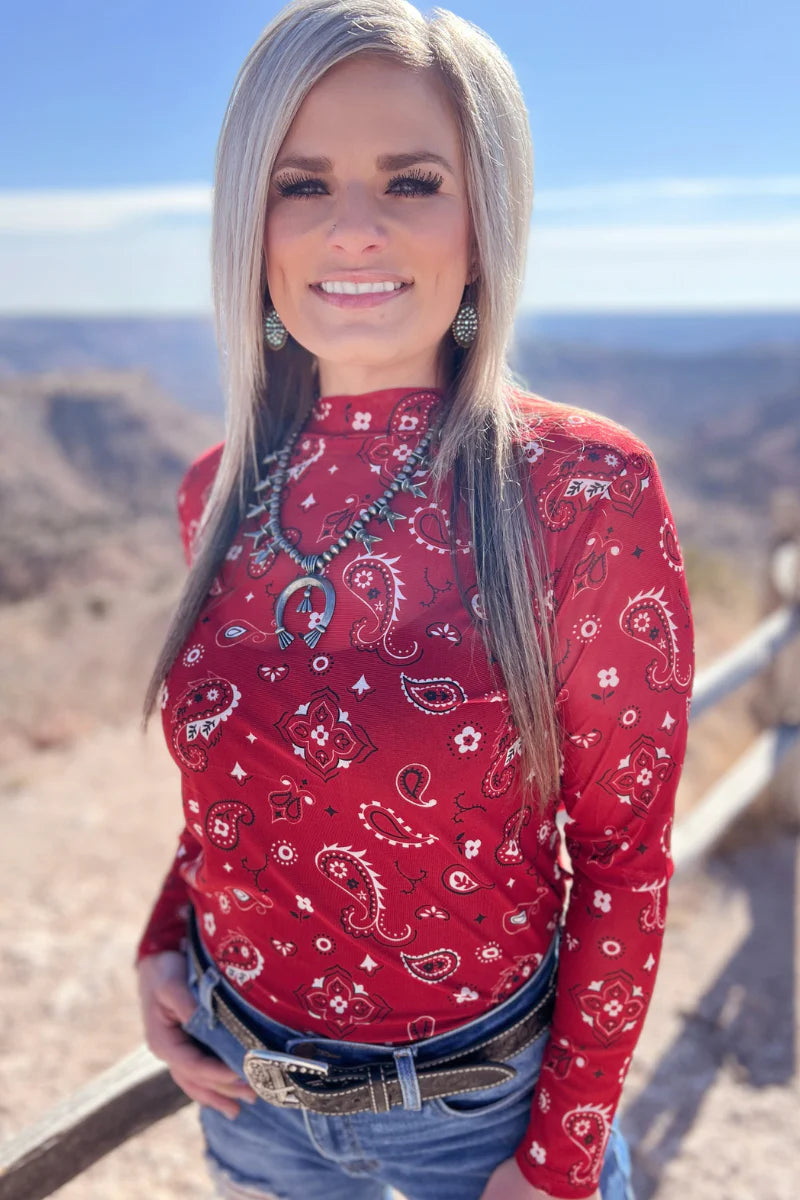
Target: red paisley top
351 843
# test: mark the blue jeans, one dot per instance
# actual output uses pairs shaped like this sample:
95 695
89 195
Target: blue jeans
440 1149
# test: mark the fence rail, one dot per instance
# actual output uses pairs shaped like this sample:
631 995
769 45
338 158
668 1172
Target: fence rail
138 1090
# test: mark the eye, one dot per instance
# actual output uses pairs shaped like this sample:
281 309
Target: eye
416 182
300 185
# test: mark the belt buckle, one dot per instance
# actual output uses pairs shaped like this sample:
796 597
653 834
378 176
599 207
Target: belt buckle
267 1074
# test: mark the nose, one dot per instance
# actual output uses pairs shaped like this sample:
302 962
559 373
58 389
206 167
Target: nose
356 224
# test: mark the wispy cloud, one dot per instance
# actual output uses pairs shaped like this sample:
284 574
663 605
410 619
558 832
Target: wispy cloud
650 191
85 210
712 243
98 210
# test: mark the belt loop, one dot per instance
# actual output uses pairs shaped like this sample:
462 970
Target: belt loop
206 984
407 1074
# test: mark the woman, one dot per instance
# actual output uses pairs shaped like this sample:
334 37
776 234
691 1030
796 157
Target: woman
425 611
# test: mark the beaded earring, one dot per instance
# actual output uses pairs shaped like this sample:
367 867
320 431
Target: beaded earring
465 326
275 332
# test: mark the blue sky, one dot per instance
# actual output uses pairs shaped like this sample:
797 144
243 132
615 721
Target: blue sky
665 138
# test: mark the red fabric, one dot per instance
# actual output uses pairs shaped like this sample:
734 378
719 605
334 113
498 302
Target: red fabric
351 843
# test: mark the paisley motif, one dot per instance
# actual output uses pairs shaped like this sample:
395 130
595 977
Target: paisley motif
366 916
588 1126
240 959
388 827
385 452
412 784
235 632
222 822
373 579
430 528
432 967
198 716
501 771
509 850
457 879
421 1027
592 569
670 549
652 918
433 696
243 900
647 619
289 802
518 919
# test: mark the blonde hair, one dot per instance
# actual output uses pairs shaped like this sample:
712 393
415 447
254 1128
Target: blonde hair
266 391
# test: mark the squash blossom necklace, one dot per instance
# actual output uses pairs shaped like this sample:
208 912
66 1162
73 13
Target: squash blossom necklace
313 566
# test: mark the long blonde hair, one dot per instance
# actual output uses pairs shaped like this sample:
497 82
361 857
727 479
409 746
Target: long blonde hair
266 391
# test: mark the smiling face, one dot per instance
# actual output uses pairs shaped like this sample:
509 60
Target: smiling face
367 235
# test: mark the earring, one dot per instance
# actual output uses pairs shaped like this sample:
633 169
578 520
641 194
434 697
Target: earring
465 326
275 332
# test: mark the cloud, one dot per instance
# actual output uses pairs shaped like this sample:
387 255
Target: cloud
661 243
98 210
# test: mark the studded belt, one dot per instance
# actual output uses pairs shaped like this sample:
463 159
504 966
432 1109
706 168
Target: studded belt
297 1080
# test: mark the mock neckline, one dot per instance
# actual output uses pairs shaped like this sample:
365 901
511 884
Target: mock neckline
392 411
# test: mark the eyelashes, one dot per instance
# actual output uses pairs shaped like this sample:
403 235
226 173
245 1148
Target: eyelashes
415 182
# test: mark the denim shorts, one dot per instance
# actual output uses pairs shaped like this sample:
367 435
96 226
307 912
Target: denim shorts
440 1149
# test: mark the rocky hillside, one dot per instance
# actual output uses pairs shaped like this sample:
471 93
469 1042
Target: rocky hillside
90 560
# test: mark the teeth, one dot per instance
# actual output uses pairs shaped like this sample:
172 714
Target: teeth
345 288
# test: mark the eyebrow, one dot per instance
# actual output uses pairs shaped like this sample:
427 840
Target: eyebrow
386 162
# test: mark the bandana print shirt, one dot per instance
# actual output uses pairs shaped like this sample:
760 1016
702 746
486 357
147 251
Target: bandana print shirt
352 843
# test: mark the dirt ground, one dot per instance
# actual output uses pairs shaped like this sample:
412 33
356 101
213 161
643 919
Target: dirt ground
712 1102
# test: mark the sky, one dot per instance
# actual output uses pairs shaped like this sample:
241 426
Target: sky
667 172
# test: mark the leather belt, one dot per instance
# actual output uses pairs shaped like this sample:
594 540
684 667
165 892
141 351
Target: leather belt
292 1080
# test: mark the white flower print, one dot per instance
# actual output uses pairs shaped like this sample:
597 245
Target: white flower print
466 993
363 578
361 420
339 1003
304 903
544 1100
320 735
321 409
602 900
608 678
612 460
212 694
641 623
402 452
644 776
537 1152
582 1127
407 424
209 924
472 847
533 451
314 619
613 1008
468 739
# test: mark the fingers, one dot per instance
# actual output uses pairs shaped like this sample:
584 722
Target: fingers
224 1097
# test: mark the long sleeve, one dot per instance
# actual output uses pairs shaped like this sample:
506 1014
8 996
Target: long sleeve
166 925
626 653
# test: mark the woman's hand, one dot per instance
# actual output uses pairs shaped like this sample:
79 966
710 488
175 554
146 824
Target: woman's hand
166 1001
507 1182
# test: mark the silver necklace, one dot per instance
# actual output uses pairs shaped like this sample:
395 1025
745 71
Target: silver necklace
314 565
